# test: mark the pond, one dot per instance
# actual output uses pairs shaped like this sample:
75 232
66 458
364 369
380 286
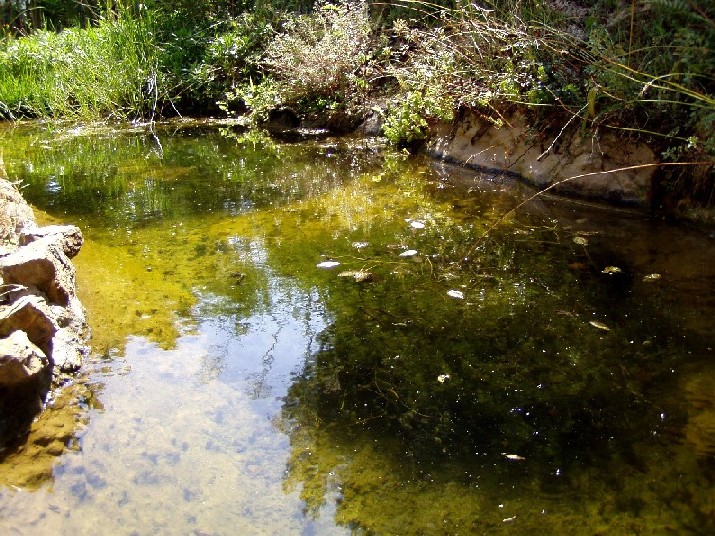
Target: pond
331 337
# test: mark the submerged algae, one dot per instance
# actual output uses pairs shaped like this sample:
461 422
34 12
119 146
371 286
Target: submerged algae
407 410
28 462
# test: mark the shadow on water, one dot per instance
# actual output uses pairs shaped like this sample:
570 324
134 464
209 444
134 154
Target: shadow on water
305 339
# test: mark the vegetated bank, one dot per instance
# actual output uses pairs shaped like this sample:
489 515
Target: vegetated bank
547 89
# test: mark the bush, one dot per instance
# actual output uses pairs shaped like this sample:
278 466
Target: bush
317 55
231 58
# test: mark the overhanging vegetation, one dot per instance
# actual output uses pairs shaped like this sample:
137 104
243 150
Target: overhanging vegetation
643 68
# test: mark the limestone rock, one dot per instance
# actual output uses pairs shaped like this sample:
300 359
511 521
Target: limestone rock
587 167
15 211
31 315
20 360
41 317
68 351
44 265
68 236
25 376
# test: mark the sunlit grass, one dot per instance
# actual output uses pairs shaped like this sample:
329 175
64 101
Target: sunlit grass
109 70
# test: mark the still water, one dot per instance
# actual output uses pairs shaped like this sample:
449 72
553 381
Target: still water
329 337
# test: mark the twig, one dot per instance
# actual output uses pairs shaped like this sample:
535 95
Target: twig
594 173
548 149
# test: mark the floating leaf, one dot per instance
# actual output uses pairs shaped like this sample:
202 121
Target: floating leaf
360 276
409 253
651 277
455 294
611 270
328 264
580 240
599 325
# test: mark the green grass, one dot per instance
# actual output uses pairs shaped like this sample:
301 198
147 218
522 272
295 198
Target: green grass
108 70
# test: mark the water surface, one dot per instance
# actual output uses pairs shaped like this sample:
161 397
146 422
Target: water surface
330 337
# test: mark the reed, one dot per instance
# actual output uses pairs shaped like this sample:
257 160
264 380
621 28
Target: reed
105 71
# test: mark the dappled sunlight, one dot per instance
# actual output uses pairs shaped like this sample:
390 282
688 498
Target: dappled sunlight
331 338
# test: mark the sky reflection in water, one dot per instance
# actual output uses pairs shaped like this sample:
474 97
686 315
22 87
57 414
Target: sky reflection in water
242 389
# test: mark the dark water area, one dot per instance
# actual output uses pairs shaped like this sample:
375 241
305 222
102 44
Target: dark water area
332 337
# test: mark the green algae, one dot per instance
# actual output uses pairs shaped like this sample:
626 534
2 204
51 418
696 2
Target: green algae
28 462
460 389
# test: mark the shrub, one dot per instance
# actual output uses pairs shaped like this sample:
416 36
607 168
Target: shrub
231 57
318 54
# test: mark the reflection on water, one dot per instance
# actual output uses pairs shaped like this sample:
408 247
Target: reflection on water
553 376
177 451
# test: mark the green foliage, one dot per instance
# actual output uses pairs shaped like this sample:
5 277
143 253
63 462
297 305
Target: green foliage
106 70
644 68
231 57
260 98
319 54
408 121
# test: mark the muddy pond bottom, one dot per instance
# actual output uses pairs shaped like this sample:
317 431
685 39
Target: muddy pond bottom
333 338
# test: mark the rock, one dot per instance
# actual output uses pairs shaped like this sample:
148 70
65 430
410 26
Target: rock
68 236
372 125
31 315
15 211
71 316
44 265
20 359
343 121
68 350
512 151
41 317
282 118
25 376
294 135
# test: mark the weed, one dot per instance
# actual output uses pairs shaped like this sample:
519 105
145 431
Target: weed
87 73
317 55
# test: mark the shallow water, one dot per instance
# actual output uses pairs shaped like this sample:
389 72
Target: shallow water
455 373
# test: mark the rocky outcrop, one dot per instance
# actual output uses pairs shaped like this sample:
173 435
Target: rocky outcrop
43 331
603 167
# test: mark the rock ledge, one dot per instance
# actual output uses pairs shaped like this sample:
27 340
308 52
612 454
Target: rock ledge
43 330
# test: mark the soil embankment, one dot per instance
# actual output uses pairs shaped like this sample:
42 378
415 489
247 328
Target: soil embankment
600 167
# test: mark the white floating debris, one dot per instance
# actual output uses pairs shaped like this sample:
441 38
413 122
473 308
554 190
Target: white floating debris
455 294
651 277
514 457
599 325
360 245
580 240
509 519
360 276
409 253
417 224
443 378
328 264
611 270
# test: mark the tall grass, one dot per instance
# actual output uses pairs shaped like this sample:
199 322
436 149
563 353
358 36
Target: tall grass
107 70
